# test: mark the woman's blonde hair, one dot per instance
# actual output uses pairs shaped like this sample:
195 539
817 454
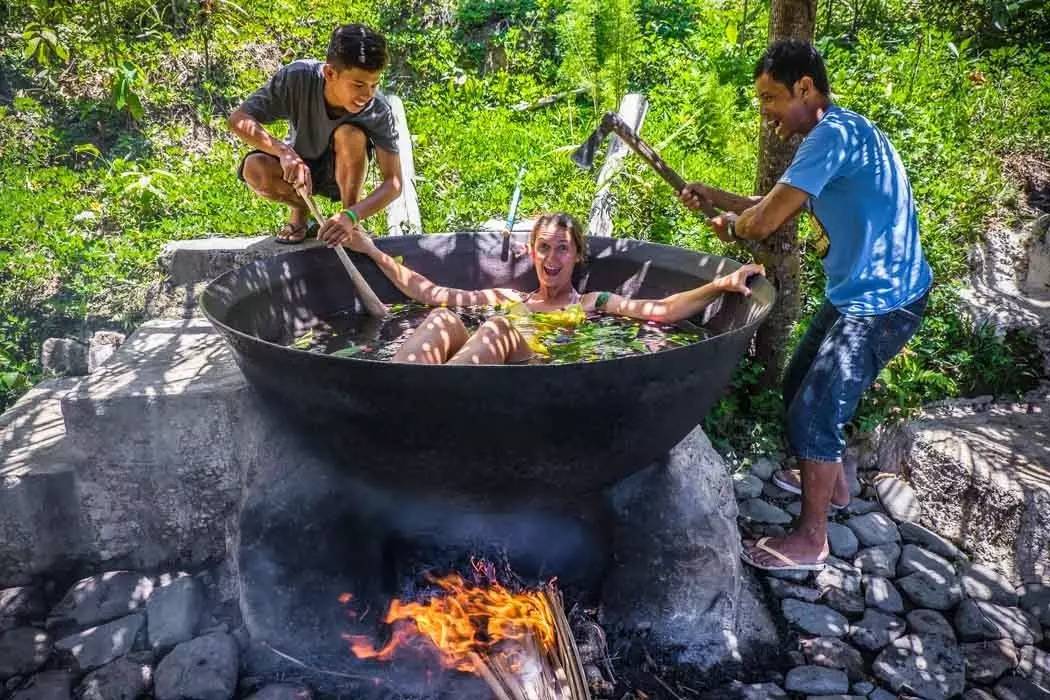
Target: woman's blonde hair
561 220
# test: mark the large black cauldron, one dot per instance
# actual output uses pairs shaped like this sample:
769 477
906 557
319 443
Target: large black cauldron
498 431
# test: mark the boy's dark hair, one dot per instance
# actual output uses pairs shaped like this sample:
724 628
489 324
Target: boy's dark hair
357 46
788 60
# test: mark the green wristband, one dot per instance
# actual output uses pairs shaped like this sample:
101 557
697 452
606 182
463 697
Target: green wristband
353 215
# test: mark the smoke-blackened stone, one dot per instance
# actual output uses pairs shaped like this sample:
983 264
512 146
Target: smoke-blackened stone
97 646
174 611
816 680
930 622
834 653
202 669
120 680
876 629
815 619
102 598
23 650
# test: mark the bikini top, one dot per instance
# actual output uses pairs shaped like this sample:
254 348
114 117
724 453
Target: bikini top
574 299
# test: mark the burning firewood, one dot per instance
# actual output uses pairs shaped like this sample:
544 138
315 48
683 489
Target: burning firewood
520 644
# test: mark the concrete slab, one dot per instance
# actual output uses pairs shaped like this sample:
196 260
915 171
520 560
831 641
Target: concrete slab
204 259
158 422
38 498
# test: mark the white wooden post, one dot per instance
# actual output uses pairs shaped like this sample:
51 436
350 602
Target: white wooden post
633 109
402 216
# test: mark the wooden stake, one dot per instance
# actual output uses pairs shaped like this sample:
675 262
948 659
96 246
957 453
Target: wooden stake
368 297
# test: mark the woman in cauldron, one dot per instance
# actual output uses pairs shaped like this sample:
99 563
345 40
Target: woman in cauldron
556 245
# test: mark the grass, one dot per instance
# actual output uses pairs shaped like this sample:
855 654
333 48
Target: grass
91 194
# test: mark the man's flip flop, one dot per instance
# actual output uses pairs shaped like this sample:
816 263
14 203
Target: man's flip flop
792 487
788 564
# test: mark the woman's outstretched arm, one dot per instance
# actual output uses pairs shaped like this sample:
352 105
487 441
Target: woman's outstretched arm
420 288
680 306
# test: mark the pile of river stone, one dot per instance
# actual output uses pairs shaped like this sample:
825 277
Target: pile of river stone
123 635
898 611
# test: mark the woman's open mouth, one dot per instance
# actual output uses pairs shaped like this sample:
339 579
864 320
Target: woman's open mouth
551 271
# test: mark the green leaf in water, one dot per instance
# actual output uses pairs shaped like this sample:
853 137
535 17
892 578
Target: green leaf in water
348 351
304 341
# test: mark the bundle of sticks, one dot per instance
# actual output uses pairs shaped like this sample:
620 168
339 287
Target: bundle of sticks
522 669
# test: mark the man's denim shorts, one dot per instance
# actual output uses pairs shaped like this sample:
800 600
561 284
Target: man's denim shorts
838 359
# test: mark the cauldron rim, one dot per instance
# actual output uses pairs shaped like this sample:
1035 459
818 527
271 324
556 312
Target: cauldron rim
400 366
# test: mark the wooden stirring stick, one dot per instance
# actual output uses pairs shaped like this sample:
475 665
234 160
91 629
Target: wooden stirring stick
369 299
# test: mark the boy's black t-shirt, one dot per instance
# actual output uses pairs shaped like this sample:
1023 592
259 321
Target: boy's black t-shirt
296 93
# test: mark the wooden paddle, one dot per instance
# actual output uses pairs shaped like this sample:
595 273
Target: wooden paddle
368 297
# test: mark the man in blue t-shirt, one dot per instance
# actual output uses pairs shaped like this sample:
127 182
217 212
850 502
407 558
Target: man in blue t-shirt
848 176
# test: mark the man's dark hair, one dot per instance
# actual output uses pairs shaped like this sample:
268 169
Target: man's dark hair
788 60
357 46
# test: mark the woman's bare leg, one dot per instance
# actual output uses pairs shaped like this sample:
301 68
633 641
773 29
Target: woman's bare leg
495 343
438 338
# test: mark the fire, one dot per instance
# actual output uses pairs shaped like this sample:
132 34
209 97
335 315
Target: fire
466 623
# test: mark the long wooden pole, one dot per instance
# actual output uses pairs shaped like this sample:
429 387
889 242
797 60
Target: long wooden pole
368 297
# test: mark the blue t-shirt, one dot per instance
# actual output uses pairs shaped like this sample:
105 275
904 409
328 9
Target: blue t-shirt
860 196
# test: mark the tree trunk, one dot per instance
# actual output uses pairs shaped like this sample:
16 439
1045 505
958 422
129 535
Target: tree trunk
780 252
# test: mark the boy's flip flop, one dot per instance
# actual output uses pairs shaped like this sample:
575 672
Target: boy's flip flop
794 486
787 563
293 235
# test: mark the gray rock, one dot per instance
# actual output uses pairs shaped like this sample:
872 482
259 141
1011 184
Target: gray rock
741 691
842 541
834 653
914 533
102 598
862 688
1035 666
915 559
880 694
839 575
49 685
931 590
849 604
23 650
898 498
21 604
819 620
677 520
174 612
930 622
771 490
119 680
793 576
875 630
1036 600
97 646
759 511
873 529
786 589
982 582
859 506
977 621
202 669
816 680
836 696
286 691
102 346
986 662
746 486
1014 688
840 587
763 468
65 357
977 694
931 667
880 560
880 593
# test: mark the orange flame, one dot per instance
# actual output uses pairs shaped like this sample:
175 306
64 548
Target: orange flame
464 621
